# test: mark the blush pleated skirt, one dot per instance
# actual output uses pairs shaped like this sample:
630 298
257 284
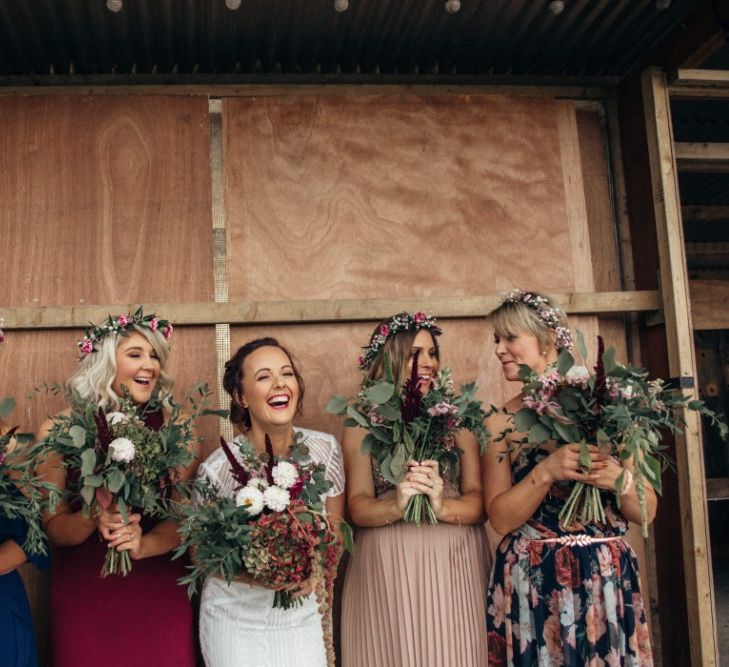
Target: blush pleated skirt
415 597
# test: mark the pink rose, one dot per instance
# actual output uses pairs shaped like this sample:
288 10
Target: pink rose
87 345
419 317
360 360
123 320
2 336
154 324
168 331
384 330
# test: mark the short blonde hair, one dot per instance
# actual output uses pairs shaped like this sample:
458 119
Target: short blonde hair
96 372
513 317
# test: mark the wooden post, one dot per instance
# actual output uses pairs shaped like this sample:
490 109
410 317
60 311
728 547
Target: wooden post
676 304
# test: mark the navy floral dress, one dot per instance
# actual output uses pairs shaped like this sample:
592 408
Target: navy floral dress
551 604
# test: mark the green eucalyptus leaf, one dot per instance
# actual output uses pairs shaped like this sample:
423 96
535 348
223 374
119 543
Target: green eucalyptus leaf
524 419
380 393
87 493
88 462
78 435
115 480
359 418
337 405
565 361
581 347
539 433
93 480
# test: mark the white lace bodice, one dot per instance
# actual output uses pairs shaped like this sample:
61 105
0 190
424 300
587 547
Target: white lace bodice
323 448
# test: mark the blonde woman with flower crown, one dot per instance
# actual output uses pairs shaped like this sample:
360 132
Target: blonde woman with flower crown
555 597
413 595
144 618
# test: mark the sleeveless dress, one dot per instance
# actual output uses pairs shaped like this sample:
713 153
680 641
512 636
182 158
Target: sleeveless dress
93 618
552 603
238 625
17 636
414 596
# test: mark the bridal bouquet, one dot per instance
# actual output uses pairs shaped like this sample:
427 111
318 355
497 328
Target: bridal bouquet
407 425
274 528
121 458
617 408
23 495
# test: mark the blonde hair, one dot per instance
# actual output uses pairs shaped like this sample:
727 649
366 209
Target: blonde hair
513 317
97 371
399 347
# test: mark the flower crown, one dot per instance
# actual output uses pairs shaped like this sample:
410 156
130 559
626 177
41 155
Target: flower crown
121 324
398 324
548 314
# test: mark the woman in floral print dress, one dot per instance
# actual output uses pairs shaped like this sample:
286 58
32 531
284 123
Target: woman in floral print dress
556 596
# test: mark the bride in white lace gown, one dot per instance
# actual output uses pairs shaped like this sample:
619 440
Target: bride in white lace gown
238 625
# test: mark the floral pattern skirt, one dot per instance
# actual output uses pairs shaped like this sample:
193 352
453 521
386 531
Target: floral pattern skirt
551 604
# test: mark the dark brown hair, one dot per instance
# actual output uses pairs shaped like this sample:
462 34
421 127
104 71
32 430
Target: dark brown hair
233 379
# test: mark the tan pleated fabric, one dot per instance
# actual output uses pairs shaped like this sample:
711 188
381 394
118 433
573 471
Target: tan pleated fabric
415 597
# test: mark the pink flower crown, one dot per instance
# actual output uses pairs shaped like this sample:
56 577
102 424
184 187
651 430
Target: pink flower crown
547 313
399 323
121 324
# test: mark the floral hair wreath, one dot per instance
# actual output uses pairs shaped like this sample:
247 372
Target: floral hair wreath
398 324
121 324
546 312
2 333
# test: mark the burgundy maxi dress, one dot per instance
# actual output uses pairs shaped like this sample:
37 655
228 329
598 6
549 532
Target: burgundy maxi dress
144 618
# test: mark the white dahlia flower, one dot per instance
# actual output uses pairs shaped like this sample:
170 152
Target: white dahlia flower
251 499
285 474
276 498
122 449
114 418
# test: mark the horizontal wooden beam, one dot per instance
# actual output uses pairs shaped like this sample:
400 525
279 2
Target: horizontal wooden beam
704 213
246 85
324 310
717 488
708 304
704 157
700 83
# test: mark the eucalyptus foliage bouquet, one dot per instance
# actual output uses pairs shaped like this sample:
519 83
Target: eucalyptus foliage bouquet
117 458
407 425
22 494
273 529
617 408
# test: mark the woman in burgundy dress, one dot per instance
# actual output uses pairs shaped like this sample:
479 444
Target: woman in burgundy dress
145 617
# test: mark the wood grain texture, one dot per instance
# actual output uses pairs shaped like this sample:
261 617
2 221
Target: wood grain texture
401 195
105 200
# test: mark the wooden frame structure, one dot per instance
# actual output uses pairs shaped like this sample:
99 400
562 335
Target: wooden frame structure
679 298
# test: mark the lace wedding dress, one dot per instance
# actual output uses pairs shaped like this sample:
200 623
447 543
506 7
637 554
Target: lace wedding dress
238 625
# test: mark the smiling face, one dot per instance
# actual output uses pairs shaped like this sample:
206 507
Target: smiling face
137 368
270 389
428 362
522 348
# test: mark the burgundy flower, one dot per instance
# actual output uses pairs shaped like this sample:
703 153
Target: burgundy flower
384 330
271 463
103 433
497 649
567 567
240 474
413 398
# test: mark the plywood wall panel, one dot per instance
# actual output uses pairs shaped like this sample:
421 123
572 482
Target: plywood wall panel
401 196
105 200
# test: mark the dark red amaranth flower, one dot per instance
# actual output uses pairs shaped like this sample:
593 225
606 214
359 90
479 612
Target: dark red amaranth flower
270 464
103 432
413 399
240 474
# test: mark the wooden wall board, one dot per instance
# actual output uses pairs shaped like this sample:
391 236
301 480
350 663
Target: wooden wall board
119 187
412 196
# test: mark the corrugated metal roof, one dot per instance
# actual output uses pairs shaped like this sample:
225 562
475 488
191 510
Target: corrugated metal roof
521 37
